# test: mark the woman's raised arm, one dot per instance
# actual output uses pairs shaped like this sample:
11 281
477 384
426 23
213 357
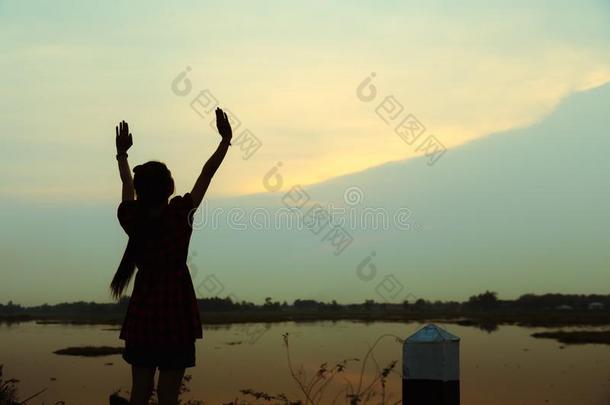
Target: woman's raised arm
123 143
210 167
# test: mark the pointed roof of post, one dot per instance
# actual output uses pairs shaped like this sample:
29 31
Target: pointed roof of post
432 334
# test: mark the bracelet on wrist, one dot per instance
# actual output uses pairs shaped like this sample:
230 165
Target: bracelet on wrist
119 155
226 141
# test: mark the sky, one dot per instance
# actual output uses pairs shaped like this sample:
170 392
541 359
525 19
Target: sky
289 71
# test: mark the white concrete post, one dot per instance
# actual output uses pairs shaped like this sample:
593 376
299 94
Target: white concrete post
431 368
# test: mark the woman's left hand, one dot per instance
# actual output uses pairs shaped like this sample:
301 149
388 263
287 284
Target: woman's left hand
223 125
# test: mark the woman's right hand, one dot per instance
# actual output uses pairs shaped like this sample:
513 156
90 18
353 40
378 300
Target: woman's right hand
223 125
123 138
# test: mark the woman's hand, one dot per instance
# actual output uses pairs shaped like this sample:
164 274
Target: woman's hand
210 167
123 138
123 143
223 125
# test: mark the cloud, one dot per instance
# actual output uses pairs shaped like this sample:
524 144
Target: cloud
289 71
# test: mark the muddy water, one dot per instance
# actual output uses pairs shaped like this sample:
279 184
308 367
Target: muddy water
504 367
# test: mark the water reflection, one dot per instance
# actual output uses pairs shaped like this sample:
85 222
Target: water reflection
485 326
505 367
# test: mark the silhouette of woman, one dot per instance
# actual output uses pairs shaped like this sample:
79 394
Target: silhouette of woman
162 320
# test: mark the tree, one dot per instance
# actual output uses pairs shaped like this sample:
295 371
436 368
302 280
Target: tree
487 300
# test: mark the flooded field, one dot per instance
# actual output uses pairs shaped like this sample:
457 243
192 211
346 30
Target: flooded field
507 366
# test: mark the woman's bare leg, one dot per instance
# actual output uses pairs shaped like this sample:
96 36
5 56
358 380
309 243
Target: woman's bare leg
142 384
168 387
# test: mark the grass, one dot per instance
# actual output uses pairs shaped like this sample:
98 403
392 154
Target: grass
9 394
314 389
311 389
8 390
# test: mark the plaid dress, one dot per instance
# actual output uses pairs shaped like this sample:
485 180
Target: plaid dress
163 307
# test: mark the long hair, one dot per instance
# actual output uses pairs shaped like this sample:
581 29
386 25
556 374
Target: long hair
154 185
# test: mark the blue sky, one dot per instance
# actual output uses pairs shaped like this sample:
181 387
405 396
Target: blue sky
289 72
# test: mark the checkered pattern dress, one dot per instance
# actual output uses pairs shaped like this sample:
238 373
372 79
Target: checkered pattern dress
163 307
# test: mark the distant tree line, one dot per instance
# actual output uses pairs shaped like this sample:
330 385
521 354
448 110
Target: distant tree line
487 301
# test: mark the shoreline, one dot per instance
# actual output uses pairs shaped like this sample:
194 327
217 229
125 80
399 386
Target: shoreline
487 320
